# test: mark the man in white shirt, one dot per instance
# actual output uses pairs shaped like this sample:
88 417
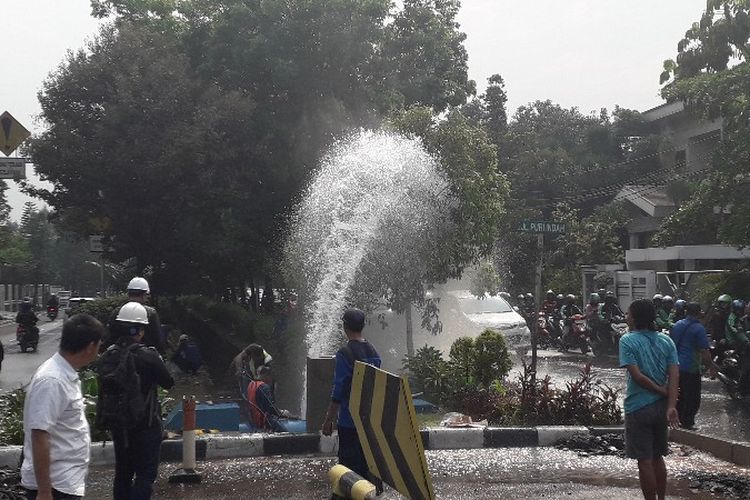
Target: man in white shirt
56 433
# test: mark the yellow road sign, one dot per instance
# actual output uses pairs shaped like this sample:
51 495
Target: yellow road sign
383 413
12 133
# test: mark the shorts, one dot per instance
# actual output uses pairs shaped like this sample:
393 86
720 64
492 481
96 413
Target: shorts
646 432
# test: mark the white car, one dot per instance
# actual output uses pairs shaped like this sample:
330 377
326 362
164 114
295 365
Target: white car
495 313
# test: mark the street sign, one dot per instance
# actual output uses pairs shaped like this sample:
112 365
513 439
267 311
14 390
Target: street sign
96 243
543 227
383 412
12 168
12 133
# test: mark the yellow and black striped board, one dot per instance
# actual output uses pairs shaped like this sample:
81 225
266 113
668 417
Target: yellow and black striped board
383 413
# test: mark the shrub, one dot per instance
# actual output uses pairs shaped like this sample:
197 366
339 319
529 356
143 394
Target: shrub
583 401
492 360
429 372
11 417
103 309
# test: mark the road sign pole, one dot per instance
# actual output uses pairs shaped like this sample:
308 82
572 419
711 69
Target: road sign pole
538 298
101 275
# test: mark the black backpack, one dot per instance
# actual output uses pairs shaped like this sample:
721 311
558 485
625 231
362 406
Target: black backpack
120 404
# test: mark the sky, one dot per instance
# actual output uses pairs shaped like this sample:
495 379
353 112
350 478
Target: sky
584 53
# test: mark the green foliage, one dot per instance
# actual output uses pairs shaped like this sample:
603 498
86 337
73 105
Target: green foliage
223 107
485 280
582 401
709 287
103 309
11 417
480 362
711 43
492 360
429 371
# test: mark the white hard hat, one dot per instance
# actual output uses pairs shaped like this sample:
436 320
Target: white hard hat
133 312
138 283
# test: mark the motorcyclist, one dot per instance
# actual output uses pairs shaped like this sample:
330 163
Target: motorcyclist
26 315
610 310
716 320
27 318
549 306
529 310
663 310
569 310
592 310
678 312
53 301
735 333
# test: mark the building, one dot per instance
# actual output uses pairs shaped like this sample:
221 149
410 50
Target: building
692 144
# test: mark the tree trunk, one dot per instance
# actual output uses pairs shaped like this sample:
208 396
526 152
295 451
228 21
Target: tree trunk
254 297
409 331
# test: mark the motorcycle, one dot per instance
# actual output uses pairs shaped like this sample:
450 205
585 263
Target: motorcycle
52 313
606 339
27 337
576 336
730 372
545 336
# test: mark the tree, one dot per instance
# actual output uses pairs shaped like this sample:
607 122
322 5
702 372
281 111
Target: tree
718 208
224 107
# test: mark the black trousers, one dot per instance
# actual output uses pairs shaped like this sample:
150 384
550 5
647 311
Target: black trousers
689 399
56 495
137 453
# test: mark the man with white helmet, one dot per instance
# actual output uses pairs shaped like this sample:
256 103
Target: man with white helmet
132 416
138 291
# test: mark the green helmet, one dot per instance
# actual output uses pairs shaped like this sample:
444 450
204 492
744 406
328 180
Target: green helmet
726 298
594 298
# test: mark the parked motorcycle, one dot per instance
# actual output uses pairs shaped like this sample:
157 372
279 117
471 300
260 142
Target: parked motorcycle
606 339
52 313
27 337
576 336
729 373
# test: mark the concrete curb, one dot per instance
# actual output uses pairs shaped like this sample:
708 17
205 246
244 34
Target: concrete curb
735 452
220 446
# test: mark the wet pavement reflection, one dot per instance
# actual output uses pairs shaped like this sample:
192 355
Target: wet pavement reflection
457 474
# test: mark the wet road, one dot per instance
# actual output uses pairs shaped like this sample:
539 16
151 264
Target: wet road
18 367
719 415
467 474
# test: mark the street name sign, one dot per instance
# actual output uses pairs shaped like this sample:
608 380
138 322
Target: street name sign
12 133
543 227
12 168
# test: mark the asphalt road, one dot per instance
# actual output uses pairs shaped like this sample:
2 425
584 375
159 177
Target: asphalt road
18 367
456 474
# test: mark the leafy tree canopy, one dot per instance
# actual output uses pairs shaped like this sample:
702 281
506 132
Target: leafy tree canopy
717 211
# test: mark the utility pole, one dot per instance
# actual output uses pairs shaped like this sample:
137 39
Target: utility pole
538 304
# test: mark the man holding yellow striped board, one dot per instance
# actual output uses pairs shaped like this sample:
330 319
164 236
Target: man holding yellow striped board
356 349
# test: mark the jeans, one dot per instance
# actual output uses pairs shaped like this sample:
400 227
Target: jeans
689 399
137 453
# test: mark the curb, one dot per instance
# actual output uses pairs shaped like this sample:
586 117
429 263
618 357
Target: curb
221 446
735 452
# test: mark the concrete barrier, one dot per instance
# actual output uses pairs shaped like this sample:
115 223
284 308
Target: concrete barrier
720 448
550 435
510 437
455 439
245 445
10 456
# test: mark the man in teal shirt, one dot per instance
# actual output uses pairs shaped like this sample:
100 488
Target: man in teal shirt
653 376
